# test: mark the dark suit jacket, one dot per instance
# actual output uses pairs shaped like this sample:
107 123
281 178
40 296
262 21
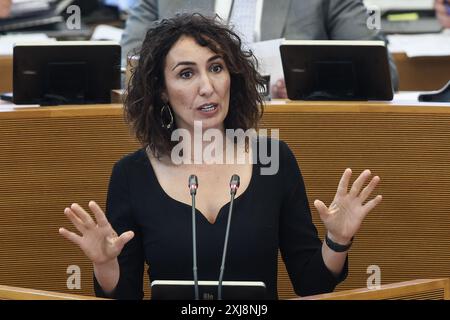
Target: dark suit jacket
290 19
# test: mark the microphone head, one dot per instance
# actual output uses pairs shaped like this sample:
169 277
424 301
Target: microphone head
193 184
234 183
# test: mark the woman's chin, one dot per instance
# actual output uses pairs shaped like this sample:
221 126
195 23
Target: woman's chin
211 123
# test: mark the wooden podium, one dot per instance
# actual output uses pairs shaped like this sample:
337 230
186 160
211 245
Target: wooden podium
16 293
421 289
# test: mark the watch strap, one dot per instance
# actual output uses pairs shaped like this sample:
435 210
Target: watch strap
337 247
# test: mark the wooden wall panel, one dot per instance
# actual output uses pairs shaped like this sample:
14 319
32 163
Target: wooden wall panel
45 165
422 73
407 235
52 157
6 73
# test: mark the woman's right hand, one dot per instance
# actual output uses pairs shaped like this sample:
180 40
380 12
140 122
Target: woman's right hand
99 242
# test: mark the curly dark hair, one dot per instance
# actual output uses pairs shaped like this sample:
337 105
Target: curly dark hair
143 101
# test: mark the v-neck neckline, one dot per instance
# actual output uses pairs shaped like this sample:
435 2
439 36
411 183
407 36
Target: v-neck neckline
198 212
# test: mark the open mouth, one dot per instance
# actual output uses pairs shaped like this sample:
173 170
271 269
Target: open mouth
210 107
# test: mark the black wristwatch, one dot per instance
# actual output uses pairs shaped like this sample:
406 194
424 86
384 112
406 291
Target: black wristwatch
336 246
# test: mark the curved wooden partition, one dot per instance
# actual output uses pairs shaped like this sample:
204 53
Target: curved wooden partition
14 293
420 289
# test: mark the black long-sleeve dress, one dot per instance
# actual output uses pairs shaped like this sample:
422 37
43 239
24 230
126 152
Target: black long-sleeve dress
272 213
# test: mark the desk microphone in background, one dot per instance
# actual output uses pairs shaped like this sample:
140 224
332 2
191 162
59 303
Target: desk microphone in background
234 185
193 185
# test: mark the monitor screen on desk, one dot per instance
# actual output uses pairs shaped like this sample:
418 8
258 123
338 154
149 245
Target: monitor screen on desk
184 290
66 72
336 70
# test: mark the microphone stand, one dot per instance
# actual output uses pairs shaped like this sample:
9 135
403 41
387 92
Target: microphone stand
234 185
193 185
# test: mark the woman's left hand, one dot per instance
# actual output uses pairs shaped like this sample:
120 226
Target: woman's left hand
344 216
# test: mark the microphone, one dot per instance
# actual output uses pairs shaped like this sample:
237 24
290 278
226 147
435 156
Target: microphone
193 185
234 185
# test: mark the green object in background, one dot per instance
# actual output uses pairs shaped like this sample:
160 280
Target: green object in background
413 16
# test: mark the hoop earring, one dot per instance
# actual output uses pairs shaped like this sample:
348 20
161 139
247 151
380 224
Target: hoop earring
169 125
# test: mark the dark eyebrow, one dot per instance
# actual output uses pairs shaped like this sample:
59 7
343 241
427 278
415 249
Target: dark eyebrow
217 56
183 63
190 63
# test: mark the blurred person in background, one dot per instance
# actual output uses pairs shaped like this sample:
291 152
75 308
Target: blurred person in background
5 8
268 19
442 8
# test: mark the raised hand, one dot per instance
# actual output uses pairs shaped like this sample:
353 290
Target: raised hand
344 216
98 240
